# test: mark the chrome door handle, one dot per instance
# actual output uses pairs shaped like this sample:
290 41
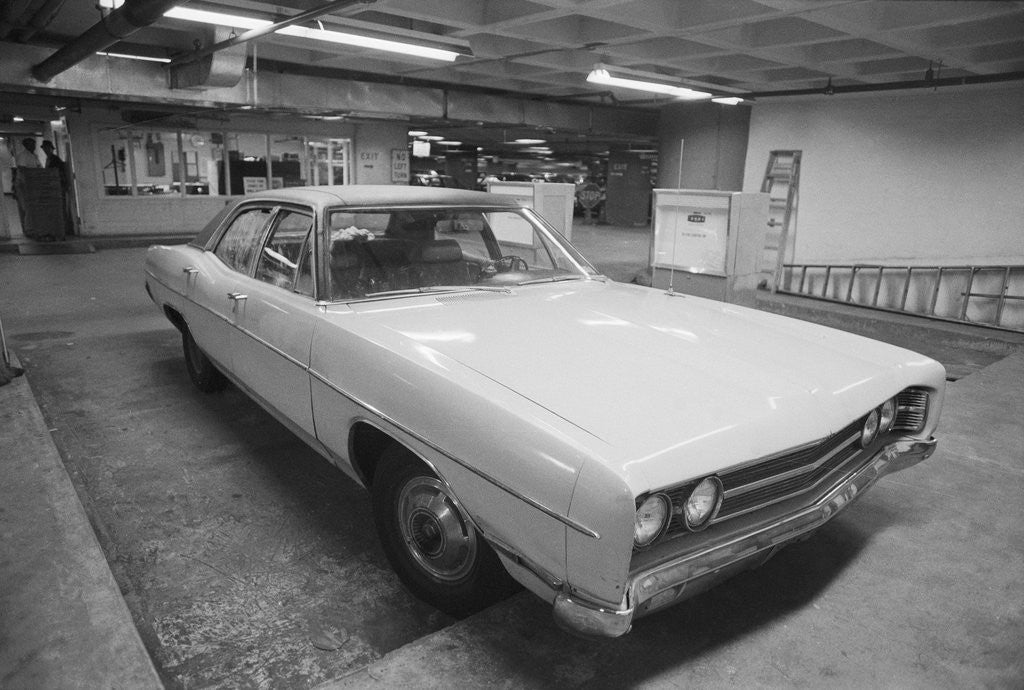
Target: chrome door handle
237 296
191 270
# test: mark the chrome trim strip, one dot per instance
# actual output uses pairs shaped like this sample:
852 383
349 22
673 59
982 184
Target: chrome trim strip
775 456
567 521
776 478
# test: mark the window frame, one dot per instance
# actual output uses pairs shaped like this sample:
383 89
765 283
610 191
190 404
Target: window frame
278 214
275 207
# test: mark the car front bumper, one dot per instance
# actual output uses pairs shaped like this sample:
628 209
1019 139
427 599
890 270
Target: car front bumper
680 578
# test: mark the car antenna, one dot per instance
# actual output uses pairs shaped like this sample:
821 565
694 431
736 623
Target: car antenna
675 226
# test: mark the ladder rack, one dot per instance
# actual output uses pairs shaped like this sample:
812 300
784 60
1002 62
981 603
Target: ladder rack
990 296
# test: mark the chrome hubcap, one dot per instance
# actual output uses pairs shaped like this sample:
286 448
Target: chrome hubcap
443 543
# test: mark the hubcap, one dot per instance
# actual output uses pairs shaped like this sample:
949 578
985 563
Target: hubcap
435 533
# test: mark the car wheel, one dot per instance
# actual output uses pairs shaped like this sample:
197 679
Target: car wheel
201 370
428 540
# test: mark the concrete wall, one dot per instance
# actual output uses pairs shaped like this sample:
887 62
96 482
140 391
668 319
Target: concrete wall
918 177
714 150
372 151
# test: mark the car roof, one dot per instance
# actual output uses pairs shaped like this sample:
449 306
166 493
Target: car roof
364 195
385 195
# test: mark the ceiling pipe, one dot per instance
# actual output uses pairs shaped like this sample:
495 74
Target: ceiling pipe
268 29
830 90
122 22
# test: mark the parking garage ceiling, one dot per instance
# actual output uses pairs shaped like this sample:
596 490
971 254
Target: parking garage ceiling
545 49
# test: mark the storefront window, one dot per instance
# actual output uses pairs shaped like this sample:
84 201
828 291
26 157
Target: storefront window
115 147
202 161
329 161
287 164
156 162
143 162
247 163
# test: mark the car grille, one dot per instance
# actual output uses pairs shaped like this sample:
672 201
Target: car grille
775 479
816 467
911 410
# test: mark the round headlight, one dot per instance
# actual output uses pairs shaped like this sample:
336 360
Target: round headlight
887 414
870 430
703 503
651 518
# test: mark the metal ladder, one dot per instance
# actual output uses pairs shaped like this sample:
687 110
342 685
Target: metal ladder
782 184
990 296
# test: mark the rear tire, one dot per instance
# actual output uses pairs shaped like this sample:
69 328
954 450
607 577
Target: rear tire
432 546
201 370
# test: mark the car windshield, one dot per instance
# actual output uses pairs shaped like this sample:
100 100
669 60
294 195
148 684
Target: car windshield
385 252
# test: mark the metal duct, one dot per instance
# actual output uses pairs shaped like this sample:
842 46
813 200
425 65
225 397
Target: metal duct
223 68
122 22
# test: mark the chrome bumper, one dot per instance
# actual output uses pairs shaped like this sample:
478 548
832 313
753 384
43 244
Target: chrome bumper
692 573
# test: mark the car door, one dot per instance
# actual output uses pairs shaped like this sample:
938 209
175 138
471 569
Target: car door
213 284
275 314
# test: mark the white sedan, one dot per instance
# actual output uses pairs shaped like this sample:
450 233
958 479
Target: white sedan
517 417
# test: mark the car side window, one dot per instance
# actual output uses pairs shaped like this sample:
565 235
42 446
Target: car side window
241 241
284 260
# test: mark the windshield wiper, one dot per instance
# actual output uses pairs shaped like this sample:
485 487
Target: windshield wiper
550 279
440 288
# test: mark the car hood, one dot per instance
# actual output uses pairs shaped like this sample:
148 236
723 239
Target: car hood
667 387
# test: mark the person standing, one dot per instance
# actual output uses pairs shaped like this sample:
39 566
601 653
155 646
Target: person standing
25 158
54 161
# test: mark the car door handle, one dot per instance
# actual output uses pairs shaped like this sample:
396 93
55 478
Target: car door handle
237 296
191 270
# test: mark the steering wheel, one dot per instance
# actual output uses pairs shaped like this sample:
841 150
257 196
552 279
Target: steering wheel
510 263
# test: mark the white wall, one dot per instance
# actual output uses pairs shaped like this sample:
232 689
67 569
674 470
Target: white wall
920 177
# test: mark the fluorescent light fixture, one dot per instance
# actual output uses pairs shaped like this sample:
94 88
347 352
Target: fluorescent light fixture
450 143
371 43
416 133
604 77
530 141
126 56
731 100
189 14
340 37
17 118
431 137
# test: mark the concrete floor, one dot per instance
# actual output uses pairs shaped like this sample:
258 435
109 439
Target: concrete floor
245 560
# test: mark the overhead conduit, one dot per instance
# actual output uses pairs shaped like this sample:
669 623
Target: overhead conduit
122 22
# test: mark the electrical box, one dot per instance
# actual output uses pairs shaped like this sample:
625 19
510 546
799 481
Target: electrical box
552 200
708 243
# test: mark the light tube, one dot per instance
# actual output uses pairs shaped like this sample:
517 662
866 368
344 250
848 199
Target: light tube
339 37
216 18
126 56
602 76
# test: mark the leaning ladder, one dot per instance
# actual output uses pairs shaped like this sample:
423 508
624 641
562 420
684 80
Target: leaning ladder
782 184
